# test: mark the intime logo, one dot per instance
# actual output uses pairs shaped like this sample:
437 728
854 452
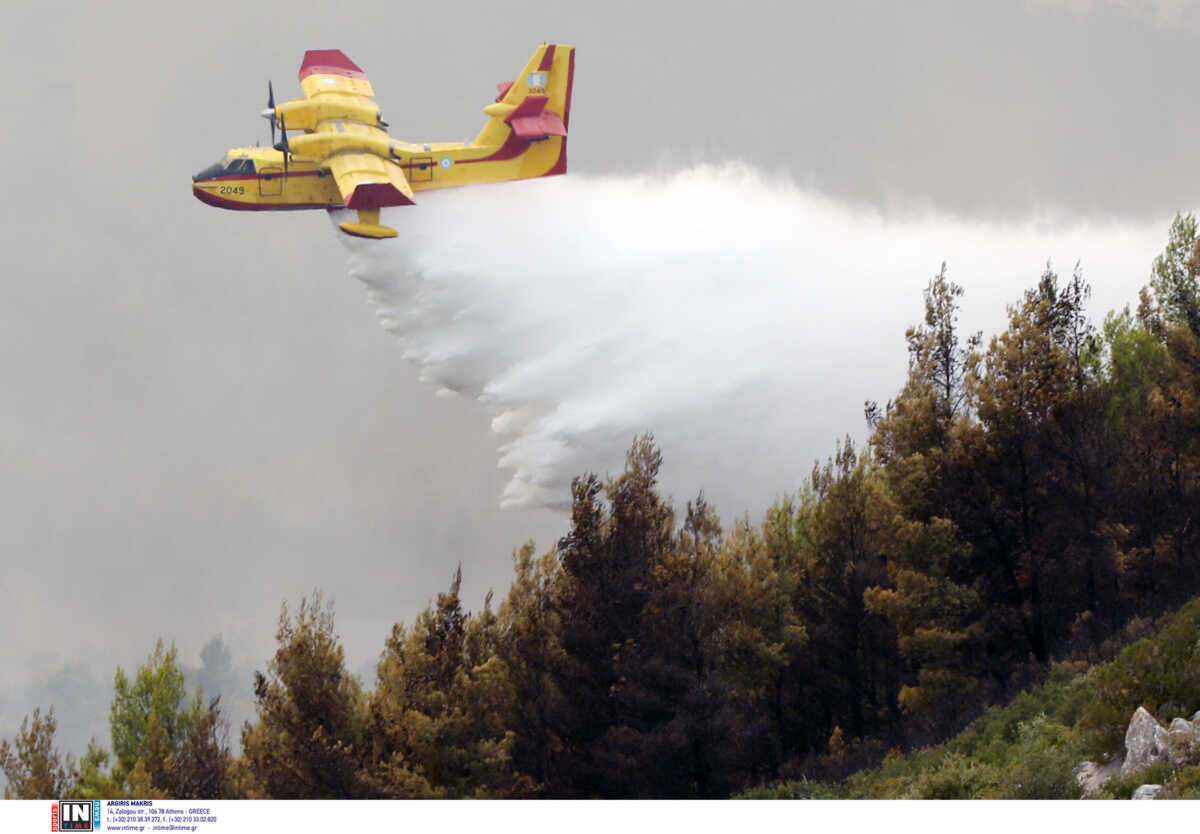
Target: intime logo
72 815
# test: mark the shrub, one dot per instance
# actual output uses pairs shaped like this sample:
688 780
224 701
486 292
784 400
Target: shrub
1042 763
1122 787
956 777
1185 784
797 789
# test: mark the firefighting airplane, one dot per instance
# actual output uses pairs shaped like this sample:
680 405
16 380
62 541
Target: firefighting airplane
345 158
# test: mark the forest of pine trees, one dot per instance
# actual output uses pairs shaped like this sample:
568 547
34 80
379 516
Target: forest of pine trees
1019 502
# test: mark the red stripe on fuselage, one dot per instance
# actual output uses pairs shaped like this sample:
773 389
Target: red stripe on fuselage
513 147
547 59
220 202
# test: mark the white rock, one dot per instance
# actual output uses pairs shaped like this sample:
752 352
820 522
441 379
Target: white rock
1147 792
1145 742
1180 725
1091 776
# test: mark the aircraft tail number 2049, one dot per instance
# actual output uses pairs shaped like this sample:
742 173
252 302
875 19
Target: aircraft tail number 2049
345 158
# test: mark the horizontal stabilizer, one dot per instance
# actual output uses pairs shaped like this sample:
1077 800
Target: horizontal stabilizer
530 119
539 127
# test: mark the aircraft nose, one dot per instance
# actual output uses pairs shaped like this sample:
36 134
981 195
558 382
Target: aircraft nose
204 194
208 173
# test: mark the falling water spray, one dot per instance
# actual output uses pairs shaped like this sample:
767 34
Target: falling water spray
741 319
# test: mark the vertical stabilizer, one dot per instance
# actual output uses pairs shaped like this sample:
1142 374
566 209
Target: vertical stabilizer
536 105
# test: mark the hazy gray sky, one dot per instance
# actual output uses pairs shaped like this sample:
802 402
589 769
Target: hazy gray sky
201 416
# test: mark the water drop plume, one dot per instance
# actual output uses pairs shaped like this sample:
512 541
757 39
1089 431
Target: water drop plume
741 319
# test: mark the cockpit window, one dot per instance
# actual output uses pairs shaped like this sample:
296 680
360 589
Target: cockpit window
226 167
215 170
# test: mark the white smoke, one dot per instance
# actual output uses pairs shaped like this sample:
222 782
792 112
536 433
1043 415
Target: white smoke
741 319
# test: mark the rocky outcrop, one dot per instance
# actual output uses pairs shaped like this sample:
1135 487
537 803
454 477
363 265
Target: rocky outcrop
1147 792
1091 776
1145 742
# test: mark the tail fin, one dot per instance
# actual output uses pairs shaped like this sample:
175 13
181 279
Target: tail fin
537 104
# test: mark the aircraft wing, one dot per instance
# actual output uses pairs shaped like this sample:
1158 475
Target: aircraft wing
367 181
330 71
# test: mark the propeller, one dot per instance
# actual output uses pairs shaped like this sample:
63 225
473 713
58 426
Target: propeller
283 143
269 113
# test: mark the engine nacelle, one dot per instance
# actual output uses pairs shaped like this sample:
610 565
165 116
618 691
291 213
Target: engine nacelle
305 114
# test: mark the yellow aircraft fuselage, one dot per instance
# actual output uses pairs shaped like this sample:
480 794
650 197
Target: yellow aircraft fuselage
342 125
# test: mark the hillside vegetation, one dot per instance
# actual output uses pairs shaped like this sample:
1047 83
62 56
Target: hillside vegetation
1031 747
1022 507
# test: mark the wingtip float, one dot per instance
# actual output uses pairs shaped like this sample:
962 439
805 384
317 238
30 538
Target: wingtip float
345 158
